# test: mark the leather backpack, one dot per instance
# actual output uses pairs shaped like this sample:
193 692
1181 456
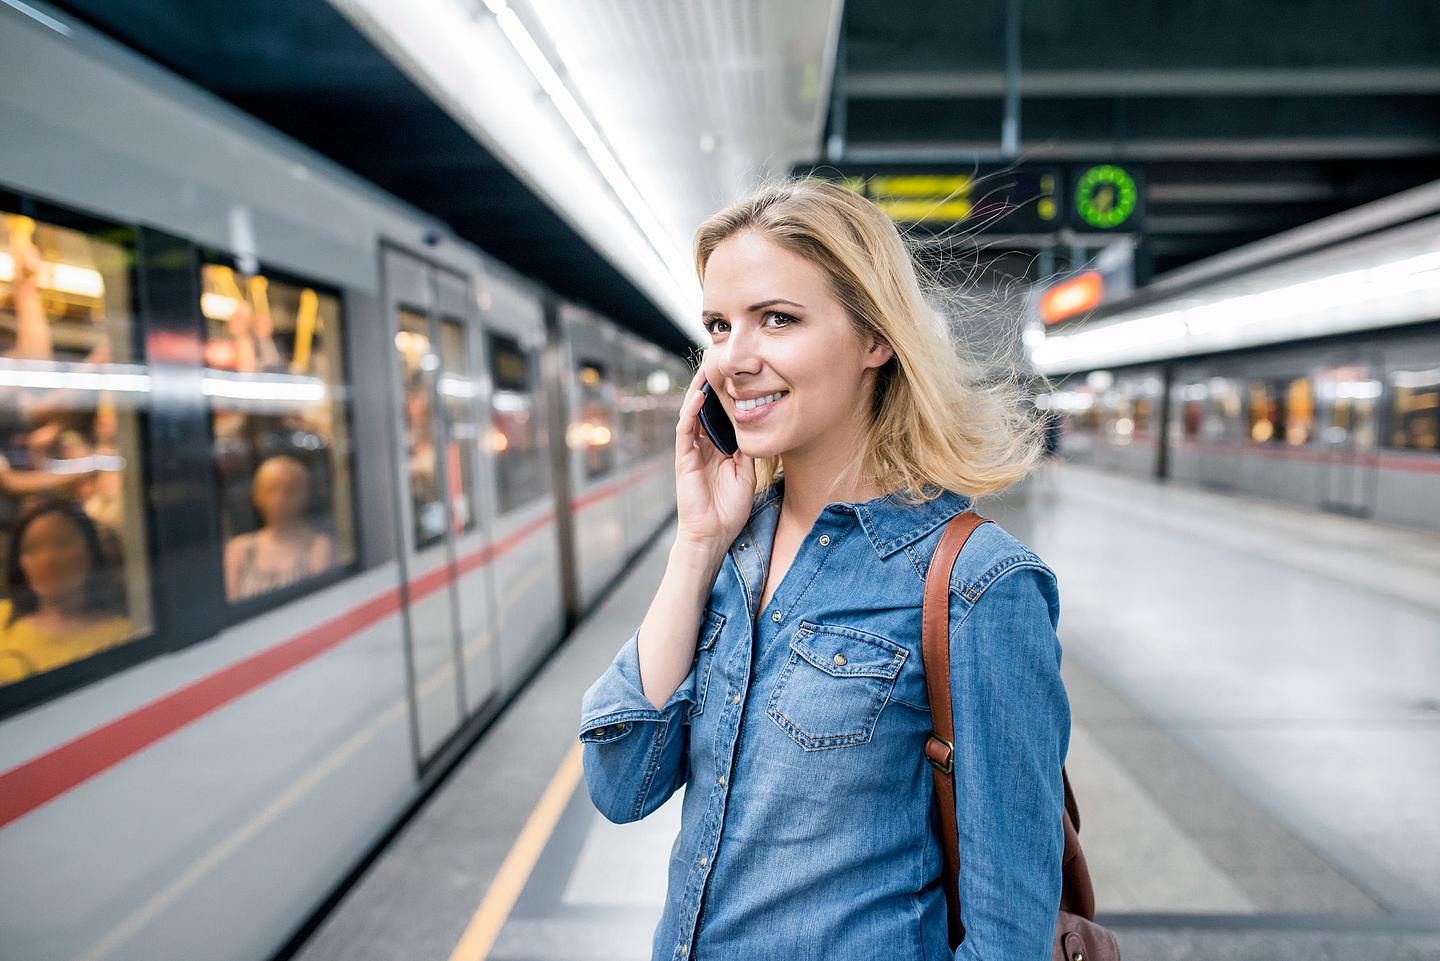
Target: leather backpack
1077 936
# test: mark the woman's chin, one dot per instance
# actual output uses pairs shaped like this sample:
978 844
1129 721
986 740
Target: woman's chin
758 449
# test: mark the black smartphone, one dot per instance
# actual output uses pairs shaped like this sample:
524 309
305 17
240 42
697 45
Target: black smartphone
717 423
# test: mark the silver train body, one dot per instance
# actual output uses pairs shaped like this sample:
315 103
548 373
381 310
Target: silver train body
1350 424
204 794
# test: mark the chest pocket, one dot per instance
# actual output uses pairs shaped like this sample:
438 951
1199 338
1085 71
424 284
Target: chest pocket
710 625
833 687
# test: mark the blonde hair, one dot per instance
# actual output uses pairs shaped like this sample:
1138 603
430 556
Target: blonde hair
936 418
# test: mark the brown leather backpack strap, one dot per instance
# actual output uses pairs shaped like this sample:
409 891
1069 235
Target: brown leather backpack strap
940 745
1077 893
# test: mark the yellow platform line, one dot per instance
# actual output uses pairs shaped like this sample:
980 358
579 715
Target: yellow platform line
504 891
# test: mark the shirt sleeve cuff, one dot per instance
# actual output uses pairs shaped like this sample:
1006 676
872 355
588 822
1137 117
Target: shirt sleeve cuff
616 701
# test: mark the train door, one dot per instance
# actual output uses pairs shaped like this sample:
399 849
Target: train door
1349 398
432 504
459 397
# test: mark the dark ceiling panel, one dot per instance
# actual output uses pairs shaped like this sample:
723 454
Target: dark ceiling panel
1298 108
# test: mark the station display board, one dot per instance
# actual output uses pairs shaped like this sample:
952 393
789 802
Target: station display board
1017 198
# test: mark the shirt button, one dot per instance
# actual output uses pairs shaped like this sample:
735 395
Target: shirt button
705 860
722 779
840 659
824 540
775 617
744 546
599 732
684 949
736 698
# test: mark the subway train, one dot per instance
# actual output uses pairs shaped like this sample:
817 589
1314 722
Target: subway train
1347 421
296 489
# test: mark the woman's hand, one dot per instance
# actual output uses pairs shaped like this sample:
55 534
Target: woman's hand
713 492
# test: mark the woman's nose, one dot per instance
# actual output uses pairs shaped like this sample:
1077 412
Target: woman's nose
740 354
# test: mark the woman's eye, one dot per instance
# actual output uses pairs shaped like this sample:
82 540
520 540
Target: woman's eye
711 325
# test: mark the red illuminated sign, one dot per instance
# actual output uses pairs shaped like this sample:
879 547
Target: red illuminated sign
1074 296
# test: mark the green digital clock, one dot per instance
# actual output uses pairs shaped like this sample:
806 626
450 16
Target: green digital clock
1105 196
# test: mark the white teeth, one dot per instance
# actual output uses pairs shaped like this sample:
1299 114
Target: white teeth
758 401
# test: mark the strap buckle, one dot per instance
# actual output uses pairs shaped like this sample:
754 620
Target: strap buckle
949 765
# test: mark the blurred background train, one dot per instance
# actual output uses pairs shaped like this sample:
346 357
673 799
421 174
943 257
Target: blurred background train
1343 414
297 489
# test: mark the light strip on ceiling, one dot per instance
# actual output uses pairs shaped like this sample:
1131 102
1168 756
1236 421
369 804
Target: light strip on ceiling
1401 288
575 117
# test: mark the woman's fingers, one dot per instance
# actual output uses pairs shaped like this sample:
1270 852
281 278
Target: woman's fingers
688 421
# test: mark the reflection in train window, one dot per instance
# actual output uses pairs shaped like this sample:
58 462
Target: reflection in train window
1299 411
1352 406
515 425
592 434
275 379
1415 409
655 419
457 398
1266 415
418 364
1222 413
72 526
1188 402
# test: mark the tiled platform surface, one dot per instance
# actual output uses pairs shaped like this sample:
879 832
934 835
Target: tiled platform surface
1256 749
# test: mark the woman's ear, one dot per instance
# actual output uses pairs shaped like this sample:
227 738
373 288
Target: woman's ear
879 352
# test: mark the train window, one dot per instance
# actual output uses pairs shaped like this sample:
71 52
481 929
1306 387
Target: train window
1415 409
1264 411
515 424
593 433
1299 411
1190 410
652 391
457 398
1352 407
72 525
418 364
1222 416
275 378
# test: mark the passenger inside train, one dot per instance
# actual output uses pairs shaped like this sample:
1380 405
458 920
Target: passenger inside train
61 601
279 447
285 549
72 588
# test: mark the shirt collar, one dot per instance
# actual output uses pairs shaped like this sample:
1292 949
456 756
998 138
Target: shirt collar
888 522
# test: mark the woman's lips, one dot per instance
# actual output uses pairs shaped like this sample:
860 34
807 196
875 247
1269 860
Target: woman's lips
749 417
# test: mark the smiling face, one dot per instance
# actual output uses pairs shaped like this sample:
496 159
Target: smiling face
776 327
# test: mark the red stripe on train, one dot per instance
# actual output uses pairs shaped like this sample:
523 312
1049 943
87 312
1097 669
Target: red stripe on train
45 777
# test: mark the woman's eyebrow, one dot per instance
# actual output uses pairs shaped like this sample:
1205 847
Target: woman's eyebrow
754 307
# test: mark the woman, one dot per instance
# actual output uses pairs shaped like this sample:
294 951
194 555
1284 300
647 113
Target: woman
778 674
286 549
61 604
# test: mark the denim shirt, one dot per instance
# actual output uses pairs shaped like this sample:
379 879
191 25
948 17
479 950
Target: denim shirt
808 824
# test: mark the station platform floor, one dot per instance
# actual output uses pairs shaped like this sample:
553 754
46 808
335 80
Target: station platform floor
1255 750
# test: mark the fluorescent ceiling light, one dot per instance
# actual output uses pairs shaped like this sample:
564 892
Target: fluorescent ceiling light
1389 280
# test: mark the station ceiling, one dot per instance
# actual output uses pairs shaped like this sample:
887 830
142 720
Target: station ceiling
303 68
1247 117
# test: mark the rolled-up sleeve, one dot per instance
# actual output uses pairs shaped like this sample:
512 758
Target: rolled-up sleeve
1012 732
634 756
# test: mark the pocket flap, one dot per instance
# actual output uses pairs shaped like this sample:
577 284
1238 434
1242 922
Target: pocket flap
847 652
710 625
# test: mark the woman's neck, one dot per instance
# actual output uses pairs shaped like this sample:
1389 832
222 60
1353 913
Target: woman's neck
809 488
